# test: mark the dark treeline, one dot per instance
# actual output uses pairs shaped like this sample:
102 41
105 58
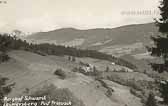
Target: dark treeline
8 43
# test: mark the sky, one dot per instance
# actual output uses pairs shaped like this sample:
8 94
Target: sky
46 15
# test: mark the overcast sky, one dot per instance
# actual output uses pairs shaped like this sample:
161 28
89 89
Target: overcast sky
44 15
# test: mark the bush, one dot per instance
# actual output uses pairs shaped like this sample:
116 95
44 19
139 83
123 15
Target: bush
60 73
75 69
3 57
109 92
151 100
4 89
136 93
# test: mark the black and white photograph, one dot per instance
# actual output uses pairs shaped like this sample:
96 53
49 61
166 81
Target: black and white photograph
83 52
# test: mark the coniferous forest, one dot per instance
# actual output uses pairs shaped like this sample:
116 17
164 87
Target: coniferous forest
8 43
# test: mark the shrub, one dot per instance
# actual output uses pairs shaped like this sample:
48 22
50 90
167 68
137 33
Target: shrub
75 69
136 93
151 100
109 92
3 57
60 73
4 89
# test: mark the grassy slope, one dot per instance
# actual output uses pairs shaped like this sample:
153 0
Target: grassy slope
22 70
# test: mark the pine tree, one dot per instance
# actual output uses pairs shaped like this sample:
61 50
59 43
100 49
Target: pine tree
164 91
161 46
151 100
161 41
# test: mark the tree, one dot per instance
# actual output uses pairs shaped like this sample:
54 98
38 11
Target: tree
161 49
107 69
4 89
73 59
161 41
164 91
151 100
95 71
69 58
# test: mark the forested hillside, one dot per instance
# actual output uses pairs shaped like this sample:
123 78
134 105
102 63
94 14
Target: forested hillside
8 43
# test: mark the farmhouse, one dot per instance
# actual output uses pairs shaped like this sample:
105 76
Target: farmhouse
88 68
112 63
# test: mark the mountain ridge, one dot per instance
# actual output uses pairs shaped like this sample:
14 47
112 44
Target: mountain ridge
88 38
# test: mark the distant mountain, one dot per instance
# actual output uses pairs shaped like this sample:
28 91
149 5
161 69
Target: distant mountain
97 38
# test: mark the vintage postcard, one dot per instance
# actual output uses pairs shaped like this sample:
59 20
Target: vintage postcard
83 52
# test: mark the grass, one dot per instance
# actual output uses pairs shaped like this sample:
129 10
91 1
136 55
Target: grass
139 88
109 90
53 93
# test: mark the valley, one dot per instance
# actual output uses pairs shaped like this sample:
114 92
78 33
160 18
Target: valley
96 67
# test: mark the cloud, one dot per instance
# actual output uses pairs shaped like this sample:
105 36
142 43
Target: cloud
36 15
